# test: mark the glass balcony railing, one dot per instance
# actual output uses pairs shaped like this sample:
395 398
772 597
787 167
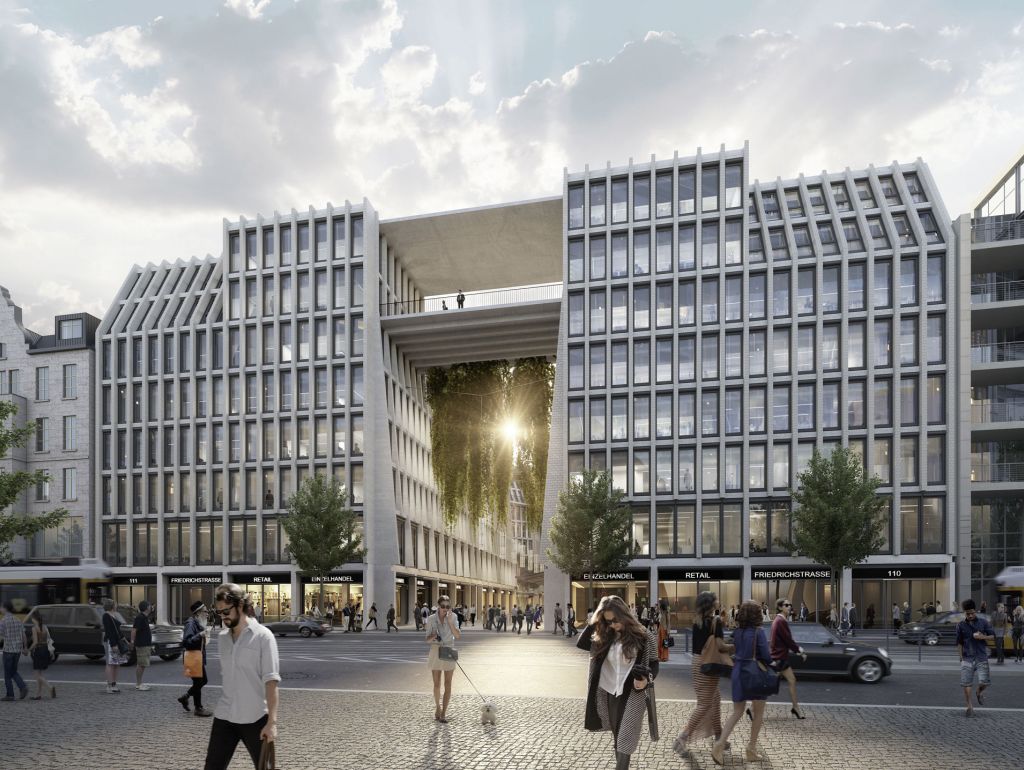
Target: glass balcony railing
997 352
992 229
1003 291
1011 410
515 295
998 472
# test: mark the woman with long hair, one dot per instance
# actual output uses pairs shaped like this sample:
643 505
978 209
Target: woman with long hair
623 665
663 630
40 653
442 631
1018 632
706 719
751 643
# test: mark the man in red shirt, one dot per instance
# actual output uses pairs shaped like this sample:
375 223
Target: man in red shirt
782 645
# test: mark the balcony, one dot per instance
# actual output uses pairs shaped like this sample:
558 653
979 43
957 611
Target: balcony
998 473
997 305
997 363
997 243
997 420
994 229
515 295
1001 291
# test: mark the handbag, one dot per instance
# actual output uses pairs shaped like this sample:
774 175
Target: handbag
756 679
447 653
193 660
668 641
714 662
122 645
268 759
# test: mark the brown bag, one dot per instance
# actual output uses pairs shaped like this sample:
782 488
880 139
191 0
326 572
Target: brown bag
267 760
193 664
714 661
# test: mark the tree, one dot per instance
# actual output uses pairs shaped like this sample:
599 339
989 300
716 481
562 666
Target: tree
838 517
591 530
13 485
321 529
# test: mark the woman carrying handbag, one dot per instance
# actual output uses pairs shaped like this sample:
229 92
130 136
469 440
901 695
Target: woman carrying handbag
194 642
710 661
752 680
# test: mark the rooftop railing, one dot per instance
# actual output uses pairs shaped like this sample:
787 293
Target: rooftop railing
1001 291
441 303
1010 410
997 352
992 229
998 472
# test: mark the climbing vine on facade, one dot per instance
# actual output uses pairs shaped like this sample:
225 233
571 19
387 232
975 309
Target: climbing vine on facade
472 457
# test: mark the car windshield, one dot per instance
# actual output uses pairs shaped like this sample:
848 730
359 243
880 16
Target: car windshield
127 612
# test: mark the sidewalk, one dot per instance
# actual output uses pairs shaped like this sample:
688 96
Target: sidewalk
90 730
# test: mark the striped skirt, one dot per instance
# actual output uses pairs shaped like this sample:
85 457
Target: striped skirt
706 719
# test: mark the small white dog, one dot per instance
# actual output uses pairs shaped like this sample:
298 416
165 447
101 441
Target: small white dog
488 714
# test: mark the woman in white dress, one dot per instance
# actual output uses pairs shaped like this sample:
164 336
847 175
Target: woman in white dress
442 631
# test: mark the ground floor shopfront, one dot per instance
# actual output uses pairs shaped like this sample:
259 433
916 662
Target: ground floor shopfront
877 589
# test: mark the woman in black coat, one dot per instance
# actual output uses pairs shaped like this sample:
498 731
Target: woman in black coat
194 638
620 685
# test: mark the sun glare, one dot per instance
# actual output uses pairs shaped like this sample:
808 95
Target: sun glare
510 430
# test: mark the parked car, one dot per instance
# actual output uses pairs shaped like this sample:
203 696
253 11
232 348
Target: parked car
77 629
939 628
829 655
303 625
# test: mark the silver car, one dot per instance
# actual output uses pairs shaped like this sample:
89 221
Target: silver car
303 625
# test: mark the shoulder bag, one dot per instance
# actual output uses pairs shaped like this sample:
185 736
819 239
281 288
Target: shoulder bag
193 660
447 653
714 662
756 679
267 759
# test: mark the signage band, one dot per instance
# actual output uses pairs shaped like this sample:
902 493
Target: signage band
796 573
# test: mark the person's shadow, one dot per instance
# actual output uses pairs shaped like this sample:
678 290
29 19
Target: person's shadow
439 748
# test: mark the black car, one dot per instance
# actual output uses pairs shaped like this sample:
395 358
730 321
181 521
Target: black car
829 655
939 628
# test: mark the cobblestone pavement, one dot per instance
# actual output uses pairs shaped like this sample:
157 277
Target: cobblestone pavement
86 729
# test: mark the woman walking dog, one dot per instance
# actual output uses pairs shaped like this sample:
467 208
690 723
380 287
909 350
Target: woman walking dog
620 684
442 631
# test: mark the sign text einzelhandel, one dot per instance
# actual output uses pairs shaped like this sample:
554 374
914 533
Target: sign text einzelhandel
608 576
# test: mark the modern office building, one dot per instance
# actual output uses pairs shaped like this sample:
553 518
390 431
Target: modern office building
990 245
224 382
49 379
716 330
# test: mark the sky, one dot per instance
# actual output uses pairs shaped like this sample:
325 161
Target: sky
131 128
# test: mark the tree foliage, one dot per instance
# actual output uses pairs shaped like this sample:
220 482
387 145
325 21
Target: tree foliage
472 460
591 530
321 528
16 483
838 516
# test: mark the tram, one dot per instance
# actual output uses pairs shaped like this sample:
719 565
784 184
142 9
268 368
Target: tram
30 582
1010 587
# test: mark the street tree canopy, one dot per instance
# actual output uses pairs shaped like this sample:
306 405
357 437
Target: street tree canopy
321 529
838 515
591 530
13 485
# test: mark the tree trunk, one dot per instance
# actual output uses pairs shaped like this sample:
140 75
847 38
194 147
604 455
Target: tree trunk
321 599
590 595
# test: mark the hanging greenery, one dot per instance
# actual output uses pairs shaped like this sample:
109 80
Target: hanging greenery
472 456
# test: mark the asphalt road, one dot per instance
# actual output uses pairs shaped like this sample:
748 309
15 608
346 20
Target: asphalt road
545 665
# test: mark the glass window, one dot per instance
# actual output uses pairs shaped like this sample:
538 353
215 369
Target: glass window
663 305
908 460
575 206
829 347
576 259
805 349
914 188
575 314
733 242
935 339
663 471
805 407
709 188
935 288
770 203
597 420
686 426
733 467
780 409
757 288
687 247
641 416
620 317
892 197
734 298
642 251
619 419
865 194
597 365
709 413
687 470
936 400
796 208
641 362
817 199
830 290
876 230
758 522
851 231
734 354
936 459
855 345
598 203
780 294
855 404
733 411
686 313
597 258
641 472
663 360
620 200
663 415
687 367
908 341
709 357
575 368
780 350
575 421
756 410
620 256
663 194
883 403
756 353
709 300
598 311
805 292
802 239
883 287
709 469
827 236
903 232
908 281
733 186
780 247
882 461
780 466
663 250
930 227
641 307
755 245
830 406
908 401
841 196
641 197
687 190
620 363
883 343
709 244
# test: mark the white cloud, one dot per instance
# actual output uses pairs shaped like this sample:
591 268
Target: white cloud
250 9
477 84
951 31
408 72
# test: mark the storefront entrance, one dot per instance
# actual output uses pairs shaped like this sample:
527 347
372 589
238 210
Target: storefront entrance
811 586
270 594
401 600
132 589
632 586
339 589
681 586
188 589
876 589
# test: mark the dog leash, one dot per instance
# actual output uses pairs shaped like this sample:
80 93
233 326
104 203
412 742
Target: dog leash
470 681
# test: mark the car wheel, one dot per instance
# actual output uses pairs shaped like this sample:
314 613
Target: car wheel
931 638
869 671
306 633
94 657
173 656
